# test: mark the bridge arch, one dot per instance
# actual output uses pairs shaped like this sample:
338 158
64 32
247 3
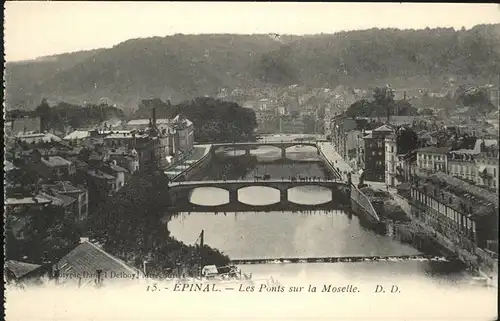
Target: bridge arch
218 196
318 194
246 194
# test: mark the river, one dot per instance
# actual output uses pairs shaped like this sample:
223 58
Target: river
314 234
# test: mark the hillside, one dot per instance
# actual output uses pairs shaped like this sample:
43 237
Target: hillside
181 67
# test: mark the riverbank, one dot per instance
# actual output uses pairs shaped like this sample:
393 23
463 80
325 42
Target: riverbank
395 211
128 225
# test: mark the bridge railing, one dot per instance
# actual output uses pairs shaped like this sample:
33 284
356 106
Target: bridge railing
363 201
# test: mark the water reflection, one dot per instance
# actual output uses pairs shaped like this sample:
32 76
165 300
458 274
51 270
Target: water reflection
284 234
310 195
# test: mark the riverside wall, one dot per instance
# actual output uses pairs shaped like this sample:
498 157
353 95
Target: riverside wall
194 168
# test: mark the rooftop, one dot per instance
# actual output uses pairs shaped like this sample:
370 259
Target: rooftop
383 128
32 200
77 134
63 186
467 188
8 166
99 174
58 199
145 122
117 168
434 150
20 269
87 258
55 161
38 137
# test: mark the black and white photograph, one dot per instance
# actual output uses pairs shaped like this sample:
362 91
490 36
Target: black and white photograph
251 160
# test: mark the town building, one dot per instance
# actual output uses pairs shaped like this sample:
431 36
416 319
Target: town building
66 203
37 138
465 214
19 211
80 194
391 160
77 136
291 125
126 158
267 121
159 142
99 181
344 136
18 126
21 272
487 166
89 265
374 150
462 165
117 172
52 167
185 131
432 159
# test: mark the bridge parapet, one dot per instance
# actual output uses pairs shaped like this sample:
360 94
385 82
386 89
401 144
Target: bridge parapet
234 185
339 190
252 145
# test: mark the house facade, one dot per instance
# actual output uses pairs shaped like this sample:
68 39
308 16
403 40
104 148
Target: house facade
433 159
374 150
391 160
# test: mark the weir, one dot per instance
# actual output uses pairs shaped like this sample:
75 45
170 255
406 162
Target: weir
343 259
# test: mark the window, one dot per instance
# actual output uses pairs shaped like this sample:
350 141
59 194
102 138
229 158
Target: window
392 149
380 153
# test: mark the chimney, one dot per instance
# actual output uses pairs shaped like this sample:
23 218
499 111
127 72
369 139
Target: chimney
404 95
84 239
99 276
154 117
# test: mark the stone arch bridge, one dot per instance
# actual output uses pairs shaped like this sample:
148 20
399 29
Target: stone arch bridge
180 193
247 147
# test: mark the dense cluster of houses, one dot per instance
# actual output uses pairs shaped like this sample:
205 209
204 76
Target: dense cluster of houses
45 169
450 174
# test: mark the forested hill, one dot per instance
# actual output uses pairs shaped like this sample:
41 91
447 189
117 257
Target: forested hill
181 67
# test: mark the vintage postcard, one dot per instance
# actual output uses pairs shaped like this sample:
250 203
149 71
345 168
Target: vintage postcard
251 161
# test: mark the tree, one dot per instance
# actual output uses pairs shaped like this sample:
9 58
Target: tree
404 108
383 96
44 112
49 234
360 108
477 98
406 140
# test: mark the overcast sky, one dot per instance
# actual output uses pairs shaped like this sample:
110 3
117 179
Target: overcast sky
34 29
